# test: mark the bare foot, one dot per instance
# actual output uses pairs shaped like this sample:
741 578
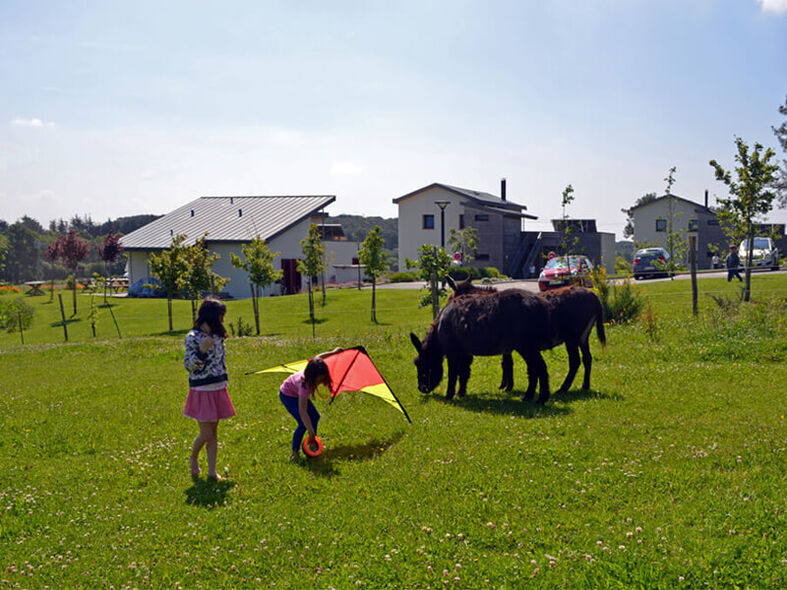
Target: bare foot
195 471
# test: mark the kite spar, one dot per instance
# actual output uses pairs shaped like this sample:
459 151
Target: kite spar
351 370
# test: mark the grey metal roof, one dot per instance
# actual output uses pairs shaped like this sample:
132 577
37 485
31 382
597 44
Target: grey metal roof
477 196
227 219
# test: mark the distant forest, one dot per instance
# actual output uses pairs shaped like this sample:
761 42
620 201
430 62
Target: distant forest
22 243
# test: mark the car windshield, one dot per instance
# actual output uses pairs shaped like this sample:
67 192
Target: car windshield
759 244
560 262
649 253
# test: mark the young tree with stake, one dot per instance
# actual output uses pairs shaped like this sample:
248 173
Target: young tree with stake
373 258
258 263
168 267
71 250
312 263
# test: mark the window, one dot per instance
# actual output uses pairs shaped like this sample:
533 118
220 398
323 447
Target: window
482 257
482 217
661 225
694 225
713 221
428 222
461 221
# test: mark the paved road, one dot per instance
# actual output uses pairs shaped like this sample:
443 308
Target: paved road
532 284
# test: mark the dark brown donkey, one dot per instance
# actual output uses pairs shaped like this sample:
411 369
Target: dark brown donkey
573 312
497 323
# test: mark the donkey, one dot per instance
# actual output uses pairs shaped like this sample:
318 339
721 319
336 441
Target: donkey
495 324
573 312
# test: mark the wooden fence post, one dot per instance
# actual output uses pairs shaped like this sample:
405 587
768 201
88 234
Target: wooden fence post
21 332
693 263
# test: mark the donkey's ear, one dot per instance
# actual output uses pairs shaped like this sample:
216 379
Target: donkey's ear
416 342
450 282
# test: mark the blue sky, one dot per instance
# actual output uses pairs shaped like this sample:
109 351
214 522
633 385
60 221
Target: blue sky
123 108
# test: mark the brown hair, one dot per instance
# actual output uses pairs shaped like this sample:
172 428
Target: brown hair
316 368
211 312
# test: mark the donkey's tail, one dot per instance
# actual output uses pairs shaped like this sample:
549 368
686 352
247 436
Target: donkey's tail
602 337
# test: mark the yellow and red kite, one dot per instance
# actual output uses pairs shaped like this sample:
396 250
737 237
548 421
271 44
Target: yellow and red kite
351 370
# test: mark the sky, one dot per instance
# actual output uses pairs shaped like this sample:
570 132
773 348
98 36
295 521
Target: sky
111 109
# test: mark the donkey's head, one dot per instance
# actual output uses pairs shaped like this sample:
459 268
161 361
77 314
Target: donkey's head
428 362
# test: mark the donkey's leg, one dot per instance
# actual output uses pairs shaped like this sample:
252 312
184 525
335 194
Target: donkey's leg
464 374
540 371
507 362
587 361
532 376
452 373
573 367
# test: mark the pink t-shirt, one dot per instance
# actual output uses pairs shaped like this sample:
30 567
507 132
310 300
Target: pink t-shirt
294 386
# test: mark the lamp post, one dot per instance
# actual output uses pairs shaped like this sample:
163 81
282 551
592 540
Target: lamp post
442 205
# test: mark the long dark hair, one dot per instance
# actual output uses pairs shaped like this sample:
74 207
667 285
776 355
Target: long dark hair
211 312
315 368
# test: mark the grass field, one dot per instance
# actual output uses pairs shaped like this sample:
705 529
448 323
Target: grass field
670 472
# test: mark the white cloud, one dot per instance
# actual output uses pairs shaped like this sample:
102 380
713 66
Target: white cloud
345 169
775 6
19 122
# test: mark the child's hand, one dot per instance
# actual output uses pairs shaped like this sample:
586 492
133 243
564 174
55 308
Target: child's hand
206 344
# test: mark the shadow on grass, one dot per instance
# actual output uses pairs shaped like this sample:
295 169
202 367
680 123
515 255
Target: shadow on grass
173 332
317 321
71 320
581 395
324 464
209 494
493 404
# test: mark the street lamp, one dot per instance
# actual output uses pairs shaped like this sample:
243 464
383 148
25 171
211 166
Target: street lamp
442 205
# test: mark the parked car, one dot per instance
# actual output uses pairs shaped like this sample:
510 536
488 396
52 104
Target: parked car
765 253
571 269
650 262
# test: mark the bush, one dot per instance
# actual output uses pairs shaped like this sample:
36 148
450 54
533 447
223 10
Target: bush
403 277
623 266
460 273
10 312
622 302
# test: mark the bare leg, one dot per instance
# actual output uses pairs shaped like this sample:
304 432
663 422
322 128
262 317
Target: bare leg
206 438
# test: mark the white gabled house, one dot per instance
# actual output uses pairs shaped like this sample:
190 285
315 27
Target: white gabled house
230 222
427 215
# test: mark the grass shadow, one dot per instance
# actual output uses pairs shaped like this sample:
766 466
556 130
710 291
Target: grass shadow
581 395
59 324
173 332
324 465
208 494
317 321
493 404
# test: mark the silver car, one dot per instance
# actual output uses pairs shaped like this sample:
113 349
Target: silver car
765 253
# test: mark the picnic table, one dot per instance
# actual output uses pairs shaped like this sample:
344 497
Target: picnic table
34 287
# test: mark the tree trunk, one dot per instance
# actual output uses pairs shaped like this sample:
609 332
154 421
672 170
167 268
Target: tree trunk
255 305
747 271
169 312
75 295
435 295
311 305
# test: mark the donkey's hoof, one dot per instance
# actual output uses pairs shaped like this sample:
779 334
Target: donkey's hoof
542 399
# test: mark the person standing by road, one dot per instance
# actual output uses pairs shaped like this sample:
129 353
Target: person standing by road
733 261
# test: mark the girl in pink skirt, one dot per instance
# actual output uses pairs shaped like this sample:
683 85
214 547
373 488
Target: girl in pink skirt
208 400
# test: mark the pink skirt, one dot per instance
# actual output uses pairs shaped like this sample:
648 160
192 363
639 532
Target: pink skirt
208 406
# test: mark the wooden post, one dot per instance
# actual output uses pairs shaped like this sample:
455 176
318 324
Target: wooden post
435 295
63 315
112 313
693 263
21 332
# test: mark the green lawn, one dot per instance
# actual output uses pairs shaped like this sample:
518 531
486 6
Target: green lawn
669 473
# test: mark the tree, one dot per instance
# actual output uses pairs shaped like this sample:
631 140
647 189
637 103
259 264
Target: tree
312 263
258 264
751 196
3 250
566 199
199 276
21 259
781 134
464 241
169 266
433 264
373 258
628 231
70 249
109 251
675 242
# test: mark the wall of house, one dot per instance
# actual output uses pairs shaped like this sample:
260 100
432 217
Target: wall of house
411 211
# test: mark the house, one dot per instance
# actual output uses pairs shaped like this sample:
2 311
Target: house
653 220
232 221
427 215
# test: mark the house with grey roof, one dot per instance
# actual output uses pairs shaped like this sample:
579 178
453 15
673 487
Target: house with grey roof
427 215
231 221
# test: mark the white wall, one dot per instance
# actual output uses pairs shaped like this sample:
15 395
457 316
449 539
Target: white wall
645 220
411 210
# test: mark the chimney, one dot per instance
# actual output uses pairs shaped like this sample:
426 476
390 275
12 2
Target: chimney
192 212
706 198
240 212
503 189
232 200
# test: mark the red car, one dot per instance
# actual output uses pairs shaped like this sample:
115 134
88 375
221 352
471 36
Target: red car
572 269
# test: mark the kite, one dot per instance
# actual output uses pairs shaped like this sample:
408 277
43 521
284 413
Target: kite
350 370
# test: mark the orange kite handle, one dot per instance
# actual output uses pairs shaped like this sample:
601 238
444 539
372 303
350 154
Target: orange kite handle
308 450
